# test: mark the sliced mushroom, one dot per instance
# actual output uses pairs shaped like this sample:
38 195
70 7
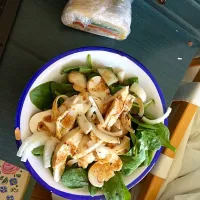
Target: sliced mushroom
108 76
79 81
67 146
103 136
65 122
41 122
98 88
84 124
114 134
98 173
123 147
113 113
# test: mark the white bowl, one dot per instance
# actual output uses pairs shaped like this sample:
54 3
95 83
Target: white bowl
51 72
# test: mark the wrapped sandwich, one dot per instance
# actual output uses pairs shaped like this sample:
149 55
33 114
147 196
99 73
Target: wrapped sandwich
110 18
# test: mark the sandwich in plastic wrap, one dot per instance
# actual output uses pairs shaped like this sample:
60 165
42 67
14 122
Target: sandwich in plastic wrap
110 18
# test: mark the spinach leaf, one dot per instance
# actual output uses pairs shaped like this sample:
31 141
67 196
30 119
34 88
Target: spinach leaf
143 125
163 133
70 69
61 88
150 140
130 81
75 178
92 189
149 157
85 70
41 96
115 189
114 89
89 61
93 74
131 163
38 151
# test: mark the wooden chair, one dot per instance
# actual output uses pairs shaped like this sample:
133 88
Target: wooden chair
179 120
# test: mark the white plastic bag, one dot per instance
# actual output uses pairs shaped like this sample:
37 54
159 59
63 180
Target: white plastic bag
110 18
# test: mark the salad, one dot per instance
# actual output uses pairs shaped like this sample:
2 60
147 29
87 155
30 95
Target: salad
94 129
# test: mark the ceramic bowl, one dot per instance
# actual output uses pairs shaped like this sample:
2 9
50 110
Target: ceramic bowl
51 72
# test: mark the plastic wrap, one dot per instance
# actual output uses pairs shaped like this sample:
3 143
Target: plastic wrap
110 18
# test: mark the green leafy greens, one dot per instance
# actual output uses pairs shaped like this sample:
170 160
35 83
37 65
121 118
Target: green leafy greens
75 178
115 189
38 151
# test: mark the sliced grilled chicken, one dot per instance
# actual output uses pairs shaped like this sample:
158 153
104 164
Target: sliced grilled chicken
66 147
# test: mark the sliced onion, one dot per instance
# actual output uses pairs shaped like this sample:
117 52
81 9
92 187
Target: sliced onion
124 145
90 113
55 110
158 120
90 149
99 115
71 162
141 106
39 141
139 91
104 137
49 148
120 76
84 124
26 142
114 134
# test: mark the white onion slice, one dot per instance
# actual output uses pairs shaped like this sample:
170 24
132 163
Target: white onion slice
104 137
113 134
26 142
158 120
49 148
99 115
139 91
120 76
84 124
90 113
39 141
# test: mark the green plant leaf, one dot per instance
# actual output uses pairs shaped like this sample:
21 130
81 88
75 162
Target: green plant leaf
89 61
1 178
42 97
115 189
75 178
131 163
130 81
38 151
114 89
69 69
61 88
18 175
92 189
163 133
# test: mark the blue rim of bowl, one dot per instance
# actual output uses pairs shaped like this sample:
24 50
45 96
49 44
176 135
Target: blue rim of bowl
26 91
